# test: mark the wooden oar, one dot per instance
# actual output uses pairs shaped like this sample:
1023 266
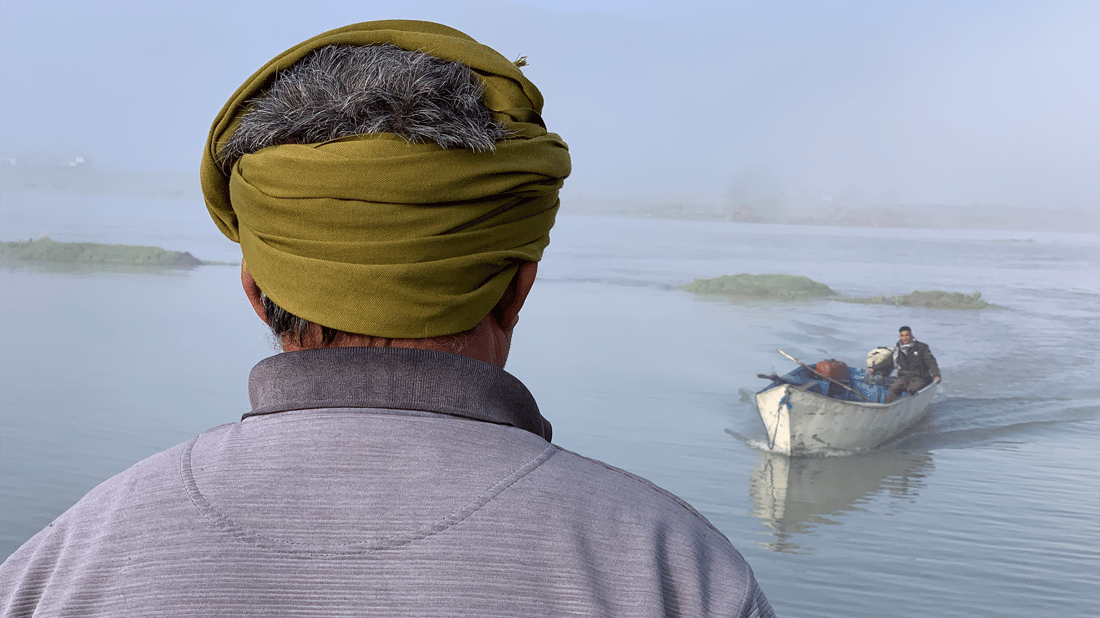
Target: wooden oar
825 377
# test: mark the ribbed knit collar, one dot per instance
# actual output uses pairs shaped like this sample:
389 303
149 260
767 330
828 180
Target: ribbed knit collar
395 379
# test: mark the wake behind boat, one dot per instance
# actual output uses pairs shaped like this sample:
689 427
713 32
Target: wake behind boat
811 411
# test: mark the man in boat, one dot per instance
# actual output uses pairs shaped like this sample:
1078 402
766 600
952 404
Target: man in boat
392 186
915 364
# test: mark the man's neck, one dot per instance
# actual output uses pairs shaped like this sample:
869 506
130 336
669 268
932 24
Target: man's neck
487 342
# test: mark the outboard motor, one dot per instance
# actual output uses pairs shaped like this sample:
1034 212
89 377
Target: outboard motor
881 360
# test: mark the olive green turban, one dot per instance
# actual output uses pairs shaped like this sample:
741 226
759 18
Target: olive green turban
374 235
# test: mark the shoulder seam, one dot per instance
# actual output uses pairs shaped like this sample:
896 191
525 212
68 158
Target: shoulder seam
228 526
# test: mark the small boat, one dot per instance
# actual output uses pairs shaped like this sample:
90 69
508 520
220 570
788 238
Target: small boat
807 412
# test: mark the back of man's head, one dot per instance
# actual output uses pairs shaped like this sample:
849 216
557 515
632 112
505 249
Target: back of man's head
385 179
340 91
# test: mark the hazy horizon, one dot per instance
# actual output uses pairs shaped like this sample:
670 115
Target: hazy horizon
978 103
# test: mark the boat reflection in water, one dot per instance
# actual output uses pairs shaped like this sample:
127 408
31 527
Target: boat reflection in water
791 495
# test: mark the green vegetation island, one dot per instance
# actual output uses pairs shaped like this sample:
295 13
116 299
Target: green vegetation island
46 249
932 299
780 287
793 287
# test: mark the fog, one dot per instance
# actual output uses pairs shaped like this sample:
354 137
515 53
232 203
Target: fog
693 102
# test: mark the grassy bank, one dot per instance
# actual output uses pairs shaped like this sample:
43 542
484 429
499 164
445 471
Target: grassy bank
46 249
791 287
781 287
932 299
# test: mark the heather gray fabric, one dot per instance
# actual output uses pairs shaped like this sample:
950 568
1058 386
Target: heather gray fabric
399 378
375 509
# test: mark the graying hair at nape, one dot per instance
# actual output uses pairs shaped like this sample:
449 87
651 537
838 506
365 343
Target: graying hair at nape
340 90
285 324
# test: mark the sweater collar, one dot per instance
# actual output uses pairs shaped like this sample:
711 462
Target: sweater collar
393 378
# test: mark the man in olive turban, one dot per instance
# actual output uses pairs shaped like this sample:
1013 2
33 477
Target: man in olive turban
392 186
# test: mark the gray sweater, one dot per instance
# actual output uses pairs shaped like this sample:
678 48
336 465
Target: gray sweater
379 482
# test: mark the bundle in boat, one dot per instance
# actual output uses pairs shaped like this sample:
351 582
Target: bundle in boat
833 369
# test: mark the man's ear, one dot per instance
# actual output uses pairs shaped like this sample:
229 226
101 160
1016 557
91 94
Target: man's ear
507 310
252 291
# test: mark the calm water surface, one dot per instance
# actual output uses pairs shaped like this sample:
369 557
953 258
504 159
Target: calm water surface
990 506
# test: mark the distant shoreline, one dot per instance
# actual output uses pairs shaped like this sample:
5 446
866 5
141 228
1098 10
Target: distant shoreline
87 180
917 217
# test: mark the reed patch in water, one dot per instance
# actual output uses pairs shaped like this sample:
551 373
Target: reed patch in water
781 287
792 287
46 249
932 299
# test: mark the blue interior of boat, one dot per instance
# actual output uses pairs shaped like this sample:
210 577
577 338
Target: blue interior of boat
857 379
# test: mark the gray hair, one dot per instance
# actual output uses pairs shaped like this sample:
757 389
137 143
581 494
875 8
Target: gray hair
285 324
339 91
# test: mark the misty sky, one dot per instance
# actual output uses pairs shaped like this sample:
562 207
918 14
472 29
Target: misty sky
690 101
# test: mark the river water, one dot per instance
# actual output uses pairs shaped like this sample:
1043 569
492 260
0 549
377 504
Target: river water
990 506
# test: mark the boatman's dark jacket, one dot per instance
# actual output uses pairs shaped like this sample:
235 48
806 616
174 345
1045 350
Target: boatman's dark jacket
379 482
916 362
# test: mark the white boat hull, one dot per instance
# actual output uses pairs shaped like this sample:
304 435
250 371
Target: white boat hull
800 422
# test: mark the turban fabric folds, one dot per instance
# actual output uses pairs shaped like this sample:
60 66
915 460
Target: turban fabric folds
371 234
